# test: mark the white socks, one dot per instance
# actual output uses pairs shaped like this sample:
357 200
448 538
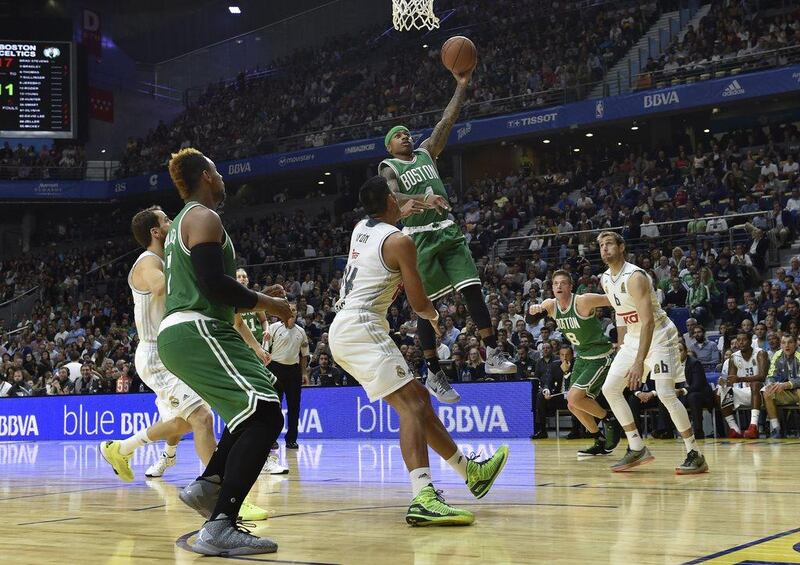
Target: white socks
420 478
754 417
127 446
732 424
170 450
774 424
691 444
634 440
459 464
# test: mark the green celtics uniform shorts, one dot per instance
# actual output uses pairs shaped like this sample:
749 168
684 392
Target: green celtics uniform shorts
590 374
443 260
211 357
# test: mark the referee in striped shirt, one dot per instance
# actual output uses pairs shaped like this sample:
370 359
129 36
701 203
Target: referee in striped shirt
288 345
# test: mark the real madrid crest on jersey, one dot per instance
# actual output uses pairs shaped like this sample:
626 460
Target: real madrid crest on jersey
622 289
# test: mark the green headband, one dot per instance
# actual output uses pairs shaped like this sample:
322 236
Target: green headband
392 133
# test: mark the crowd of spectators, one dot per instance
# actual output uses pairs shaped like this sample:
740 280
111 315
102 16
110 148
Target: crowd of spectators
67 161
732 32
360 80
83 318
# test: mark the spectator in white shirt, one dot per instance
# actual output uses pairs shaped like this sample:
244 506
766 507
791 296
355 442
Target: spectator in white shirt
790 168
769 167
648 228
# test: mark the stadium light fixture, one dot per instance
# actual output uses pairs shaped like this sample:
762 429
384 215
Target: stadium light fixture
589 134
634 128
102 151
425 46
577 150
706 130
320 182
328 173
619 143
545 141
234 9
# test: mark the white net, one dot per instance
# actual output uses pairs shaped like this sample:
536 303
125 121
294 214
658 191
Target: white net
413 14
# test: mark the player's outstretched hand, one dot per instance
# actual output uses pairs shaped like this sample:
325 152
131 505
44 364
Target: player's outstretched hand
278 307
536 309
438 202
276 290
464 78
635 376
264 356
412 207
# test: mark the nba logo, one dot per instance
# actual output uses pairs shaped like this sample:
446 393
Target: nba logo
599 109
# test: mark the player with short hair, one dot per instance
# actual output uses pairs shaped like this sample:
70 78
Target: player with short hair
444 260
382 260
198 342
649 344
576 320
747 370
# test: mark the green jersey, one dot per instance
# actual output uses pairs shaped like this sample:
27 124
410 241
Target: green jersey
183 292
253 324
586 334
418 176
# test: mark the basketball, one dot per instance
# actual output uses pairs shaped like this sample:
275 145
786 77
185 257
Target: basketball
459 54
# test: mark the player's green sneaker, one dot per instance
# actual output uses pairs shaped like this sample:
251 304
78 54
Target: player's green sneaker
249 512
613 433
119 463
429 509
482 474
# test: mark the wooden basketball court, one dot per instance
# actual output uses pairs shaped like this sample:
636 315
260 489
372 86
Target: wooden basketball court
344 502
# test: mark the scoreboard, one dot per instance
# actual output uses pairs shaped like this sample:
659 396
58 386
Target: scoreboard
37 89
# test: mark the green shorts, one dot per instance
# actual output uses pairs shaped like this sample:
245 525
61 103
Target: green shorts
444 261
590 374
212 358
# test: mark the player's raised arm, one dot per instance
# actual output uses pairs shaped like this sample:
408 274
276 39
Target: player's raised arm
438 139
399 252
538 311
639 290
203 233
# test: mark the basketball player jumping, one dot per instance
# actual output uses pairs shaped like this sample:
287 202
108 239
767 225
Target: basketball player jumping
180 409
575 318
649 344
198 343
443 257
381 261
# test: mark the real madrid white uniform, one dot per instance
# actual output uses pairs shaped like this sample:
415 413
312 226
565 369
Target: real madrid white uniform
359 335
663 358
174 398
741 392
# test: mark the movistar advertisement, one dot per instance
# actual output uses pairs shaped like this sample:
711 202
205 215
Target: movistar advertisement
494 410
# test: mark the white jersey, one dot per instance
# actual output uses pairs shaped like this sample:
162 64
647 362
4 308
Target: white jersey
368 284
147 310
616 289
745 367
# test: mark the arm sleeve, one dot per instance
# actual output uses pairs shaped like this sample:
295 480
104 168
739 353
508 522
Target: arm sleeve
215 285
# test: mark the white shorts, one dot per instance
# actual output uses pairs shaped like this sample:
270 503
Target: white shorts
742 395
174 398
361 345
663 360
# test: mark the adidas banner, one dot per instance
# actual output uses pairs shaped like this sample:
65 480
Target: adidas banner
493 410
579 114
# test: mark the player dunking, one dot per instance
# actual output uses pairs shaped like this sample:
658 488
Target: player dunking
197 342
443 258
381 259
649 344
575 318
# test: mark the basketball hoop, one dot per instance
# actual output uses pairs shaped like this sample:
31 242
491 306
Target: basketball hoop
413 14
